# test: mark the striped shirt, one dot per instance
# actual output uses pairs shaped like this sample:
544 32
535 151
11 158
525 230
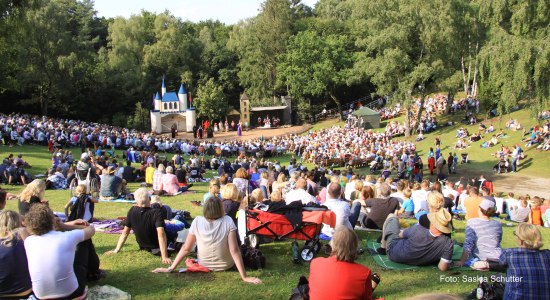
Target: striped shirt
483 239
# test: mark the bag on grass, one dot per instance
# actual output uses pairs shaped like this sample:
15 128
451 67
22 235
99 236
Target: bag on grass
301 291
252 257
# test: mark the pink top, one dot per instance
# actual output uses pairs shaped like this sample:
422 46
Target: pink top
170 183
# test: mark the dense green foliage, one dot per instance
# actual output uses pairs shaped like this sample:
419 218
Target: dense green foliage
59 58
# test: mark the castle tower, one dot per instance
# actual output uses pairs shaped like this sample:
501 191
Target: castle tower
245 110
163 88
182 96
158 104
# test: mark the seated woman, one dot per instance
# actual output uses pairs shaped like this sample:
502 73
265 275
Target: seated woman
216 237
33 193
338 276
483 237
15 281
527 262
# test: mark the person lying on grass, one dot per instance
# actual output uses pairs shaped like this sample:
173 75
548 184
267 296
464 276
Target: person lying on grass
148 225
216 237
418 245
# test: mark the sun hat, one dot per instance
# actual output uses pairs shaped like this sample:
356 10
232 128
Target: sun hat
441 220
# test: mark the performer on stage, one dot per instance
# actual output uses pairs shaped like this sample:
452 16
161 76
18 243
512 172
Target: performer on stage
239 129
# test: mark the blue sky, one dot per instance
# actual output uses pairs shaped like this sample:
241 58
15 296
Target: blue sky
227 11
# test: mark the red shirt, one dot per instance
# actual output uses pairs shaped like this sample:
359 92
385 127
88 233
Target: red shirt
332 279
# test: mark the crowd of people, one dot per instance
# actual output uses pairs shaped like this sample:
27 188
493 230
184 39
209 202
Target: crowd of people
249 177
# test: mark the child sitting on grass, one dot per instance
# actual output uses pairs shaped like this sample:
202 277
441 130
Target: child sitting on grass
535 216
172 225
81 205
407 210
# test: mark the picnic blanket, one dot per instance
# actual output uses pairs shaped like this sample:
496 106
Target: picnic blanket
386 263
121 200
109 226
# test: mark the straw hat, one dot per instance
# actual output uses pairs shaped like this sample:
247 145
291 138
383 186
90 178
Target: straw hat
441 220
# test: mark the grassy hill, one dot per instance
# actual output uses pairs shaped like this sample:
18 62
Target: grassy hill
130 269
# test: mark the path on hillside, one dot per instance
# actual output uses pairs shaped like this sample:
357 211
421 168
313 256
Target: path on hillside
522 184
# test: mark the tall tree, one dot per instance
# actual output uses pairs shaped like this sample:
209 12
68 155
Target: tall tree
409 48
56 52
515 61
258 42
210 101
315 67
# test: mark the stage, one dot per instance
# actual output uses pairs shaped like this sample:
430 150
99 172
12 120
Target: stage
247 135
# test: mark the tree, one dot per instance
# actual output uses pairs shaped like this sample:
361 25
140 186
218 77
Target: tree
409 48
315 66
54 56
258 42
515 61
210 101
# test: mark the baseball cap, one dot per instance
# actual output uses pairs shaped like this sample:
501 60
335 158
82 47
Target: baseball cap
487 204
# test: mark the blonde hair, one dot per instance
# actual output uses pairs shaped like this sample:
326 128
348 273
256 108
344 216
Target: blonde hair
213 208
276 196
230 191
263 175
530 235
359 185
241 173
161 168
256 196
281 178
80 190
155 199
9 221
36 188
344 244
214 181
435 201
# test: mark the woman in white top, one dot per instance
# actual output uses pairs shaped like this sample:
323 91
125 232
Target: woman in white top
216 237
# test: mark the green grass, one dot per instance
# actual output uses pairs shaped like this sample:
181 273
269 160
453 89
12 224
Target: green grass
130 269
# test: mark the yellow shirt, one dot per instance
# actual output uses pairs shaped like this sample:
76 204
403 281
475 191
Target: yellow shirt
149 175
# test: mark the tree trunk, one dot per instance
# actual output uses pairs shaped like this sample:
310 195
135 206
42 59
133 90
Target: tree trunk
449 101
338 104
420 109
408 121
474 84
465 83
43 102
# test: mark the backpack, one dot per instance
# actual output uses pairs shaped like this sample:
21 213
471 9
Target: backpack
79 208
252 257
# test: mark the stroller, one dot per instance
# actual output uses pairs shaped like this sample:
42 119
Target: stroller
86 177
464 158
503 166
278 227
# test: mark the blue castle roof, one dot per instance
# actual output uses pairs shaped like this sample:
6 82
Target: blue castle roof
170 97
163 85
182 90
157 97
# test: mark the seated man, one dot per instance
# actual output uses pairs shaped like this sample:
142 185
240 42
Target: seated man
418 245
299 193
56 180
111 185
381 207
340 208
148 225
